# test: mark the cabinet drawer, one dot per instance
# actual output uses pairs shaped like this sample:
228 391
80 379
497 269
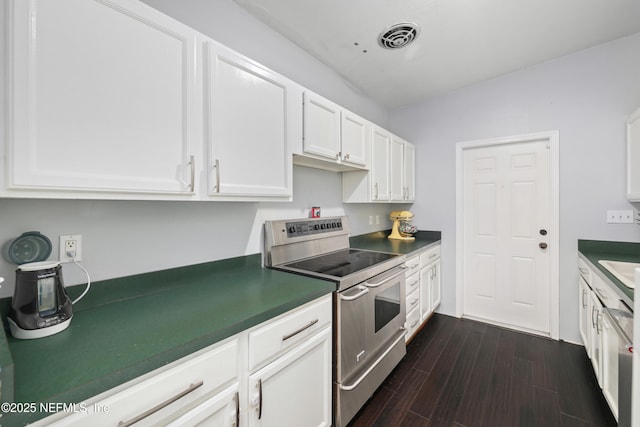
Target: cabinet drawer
413 265
413 300
584 270
429 256
169 391
286 331
413 322
413 283
604 292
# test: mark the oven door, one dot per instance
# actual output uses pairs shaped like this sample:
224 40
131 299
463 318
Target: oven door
370 339
387 311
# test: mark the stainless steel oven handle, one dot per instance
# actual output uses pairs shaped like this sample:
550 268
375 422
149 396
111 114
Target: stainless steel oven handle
385 280
372 367
363 292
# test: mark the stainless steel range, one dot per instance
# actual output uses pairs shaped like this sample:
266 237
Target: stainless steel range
369 302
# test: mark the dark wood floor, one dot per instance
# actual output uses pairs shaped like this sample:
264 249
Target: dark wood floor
465 373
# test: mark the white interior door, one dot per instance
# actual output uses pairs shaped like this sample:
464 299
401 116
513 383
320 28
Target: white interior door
506 214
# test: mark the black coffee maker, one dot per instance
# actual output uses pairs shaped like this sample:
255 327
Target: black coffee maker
40 306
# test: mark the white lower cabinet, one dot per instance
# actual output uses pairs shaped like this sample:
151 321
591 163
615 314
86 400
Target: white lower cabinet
596 336
295 389
597 332
610 365
290 384
423 274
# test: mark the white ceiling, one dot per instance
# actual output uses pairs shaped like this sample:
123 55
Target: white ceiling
460 42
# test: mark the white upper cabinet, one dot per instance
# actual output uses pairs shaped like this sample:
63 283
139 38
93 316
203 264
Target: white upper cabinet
391 174
253 118
355 132
102 100
334 138
321 127
409 172
633 157
397 169
380 152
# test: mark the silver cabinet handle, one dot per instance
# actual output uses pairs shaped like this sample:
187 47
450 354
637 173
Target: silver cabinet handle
600 294
375 191
412 284
413 302
302 329
363 291
346 157
374 365
217 167
260 397
237 398
339 154
415 322
193 173
593 320
599 323
160 406
584 294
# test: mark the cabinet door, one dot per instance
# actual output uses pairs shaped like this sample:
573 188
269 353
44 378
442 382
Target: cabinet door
380 150
321 127
103 97
436 286
409 172
610 365
295 389
633 157
426 303
584 297
221 410
251 116
596 336
396 173
355 138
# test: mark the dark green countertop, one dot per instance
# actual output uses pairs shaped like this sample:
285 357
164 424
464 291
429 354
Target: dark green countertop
129 326
378 242
595 250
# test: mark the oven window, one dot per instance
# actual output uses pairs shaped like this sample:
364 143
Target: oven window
387 306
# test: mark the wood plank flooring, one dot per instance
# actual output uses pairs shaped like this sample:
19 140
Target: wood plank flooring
463 373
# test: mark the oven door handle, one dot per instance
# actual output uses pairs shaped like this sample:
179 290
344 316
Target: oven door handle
363 291
374 365
385 280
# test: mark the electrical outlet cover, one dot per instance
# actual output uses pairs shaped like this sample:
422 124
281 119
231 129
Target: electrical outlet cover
77 238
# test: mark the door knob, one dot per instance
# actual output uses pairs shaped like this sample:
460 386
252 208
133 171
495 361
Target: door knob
542 245
543 232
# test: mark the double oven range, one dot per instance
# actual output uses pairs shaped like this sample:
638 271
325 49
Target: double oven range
369 302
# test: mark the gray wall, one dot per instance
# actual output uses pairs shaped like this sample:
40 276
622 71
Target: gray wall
587 97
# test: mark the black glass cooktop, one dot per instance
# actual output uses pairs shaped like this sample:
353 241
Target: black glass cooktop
341 263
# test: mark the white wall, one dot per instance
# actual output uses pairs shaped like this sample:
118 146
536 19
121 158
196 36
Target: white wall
129 237
587 97
228 23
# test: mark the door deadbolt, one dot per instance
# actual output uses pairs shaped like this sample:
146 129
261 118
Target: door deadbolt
543 232
542 245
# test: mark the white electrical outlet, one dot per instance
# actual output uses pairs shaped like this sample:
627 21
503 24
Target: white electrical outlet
370 219
70 244
377 219
620 217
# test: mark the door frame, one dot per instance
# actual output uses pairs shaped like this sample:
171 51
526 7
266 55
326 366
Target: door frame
553 139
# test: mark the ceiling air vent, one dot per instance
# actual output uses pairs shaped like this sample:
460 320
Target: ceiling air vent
398 35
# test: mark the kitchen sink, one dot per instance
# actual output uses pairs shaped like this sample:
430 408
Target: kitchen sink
623 271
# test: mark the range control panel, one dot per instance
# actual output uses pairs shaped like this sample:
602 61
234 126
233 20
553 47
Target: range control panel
307 228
